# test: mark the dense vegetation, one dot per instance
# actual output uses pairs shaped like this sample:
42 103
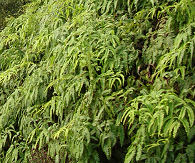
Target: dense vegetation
10 8
98 81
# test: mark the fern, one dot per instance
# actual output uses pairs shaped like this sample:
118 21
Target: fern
153 108
80 79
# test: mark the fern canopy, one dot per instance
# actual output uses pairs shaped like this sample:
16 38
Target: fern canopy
97 81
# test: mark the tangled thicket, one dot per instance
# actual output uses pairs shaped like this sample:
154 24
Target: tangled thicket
92 81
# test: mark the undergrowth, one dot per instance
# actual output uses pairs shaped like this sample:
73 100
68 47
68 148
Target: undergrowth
80 79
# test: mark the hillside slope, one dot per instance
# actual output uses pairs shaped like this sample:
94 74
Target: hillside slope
98 81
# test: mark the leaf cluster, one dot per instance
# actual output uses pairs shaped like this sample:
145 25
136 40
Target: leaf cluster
79 79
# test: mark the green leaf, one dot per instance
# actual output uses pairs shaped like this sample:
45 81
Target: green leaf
186 125
130 154
190 115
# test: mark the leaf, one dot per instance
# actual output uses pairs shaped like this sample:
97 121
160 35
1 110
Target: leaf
121 135
182 113
160 119
168 128
165 149
139 152
130 154
177 125
186 125
190 115
15 154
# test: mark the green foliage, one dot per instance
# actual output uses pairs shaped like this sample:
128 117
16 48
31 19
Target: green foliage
161 115
10 8
81 78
